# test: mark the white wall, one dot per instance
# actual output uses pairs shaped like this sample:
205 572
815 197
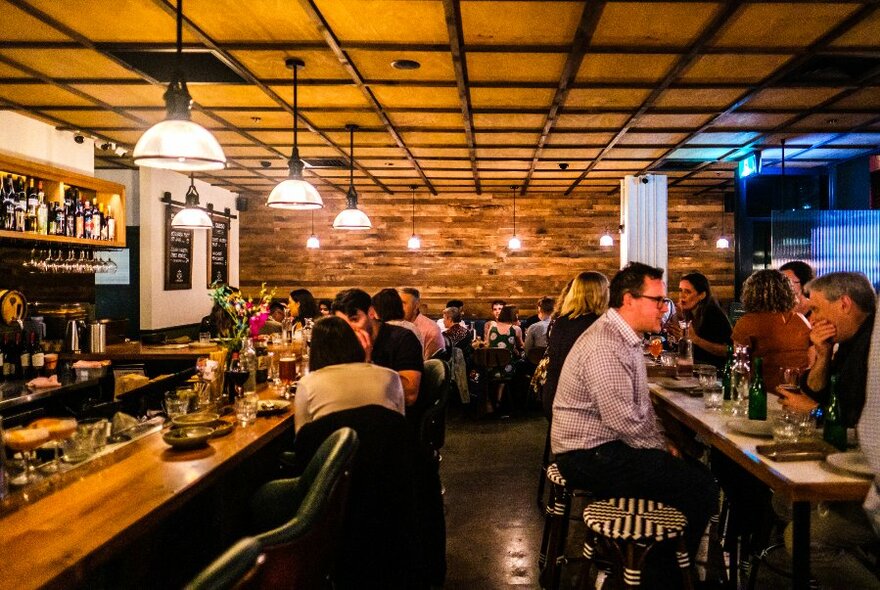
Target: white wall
164 309
36 141
130 179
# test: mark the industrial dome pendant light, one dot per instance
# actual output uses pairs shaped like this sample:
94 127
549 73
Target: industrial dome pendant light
294 192
313 243
414 242
178 143
192 216
351 217
514 242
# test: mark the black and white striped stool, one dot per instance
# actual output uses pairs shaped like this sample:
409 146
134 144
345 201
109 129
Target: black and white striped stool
556 518
629 528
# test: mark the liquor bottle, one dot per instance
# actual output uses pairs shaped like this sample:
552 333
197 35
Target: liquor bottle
24 357
758 393
8 212
262 351
20 205
78 217
42 210
88 219
33 201
38 357
69 213
726 372
97 220
8 359
110 222
834 431
248 359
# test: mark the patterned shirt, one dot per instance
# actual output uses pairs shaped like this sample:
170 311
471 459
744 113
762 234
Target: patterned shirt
602 394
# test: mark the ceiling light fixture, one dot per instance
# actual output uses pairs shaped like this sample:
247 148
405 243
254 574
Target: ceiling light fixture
722 243
514 242
405 64
414 242
294 192
178 143
351 217
313 243
192 216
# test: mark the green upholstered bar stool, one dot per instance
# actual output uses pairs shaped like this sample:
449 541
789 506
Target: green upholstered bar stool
627 529
239 567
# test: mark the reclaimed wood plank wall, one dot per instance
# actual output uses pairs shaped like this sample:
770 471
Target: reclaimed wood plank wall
464 251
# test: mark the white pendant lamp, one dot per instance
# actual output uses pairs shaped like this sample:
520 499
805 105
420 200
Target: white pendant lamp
351 217
414 243
607 240
178 143
722 243
514 242
313 243
192 216
294 192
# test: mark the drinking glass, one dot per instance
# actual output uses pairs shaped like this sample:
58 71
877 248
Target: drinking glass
786 427
669 361
246 409
655 347
26 441
790 378
175 405
706 374
713 397
286 373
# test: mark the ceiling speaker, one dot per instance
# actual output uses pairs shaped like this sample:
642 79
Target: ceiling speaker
241 203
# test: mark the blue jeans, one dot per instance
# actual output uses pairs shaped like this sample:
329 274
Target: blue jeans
615 469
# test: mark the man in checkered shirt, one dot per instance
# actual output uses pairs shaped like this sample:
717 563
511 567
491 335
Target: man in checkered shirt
604 433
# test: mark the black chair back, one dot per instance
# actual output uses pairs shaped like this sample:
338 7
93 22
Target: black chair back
238 568
435 387
491 358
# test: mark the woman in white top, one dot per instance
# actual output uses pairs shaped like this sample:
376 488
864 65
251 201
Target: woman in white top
339 379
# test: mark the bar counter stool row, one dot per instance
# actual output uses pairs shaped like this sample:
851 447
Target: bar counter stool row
623 530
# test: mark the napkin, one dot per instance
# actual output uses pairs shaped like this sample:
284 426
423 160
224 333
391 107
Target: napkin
43 382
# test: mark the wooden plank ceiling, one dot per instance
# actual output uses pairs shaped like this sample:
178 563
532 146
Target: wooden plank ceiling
555 96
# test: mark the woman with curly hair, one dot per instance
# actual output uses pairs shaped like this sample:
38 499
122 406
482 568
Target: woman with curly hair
771 327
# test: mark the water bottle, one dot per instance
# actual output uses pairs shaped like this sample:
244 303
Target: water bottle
739 381
248 361
685 360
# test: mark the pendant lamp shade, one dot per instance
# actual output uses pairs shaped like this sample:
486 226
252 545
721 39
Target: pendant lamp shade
192 216
294 192
606 241
177 143
351 217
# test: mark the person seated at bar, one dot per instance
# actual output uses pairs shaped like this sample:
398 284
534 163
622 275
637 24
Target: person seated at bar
584 299
340 378
277 313
388 307
840 530
604 432
432 339
843 308
452 328
302 306
388 346
771 328
799 273
536 334
324 307
709 327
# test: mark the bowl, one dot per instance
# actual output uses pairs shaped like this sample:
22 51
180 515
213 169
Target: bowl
188 437
195 419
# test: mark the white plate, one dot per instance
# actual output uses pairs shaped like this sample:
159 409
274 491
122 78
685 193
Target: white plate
854 462
763 428
677 384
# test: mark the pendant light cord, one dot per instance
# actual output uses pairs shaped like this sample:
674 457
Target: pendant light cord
351 155
179 32
514 209
295 110
313 223
413 210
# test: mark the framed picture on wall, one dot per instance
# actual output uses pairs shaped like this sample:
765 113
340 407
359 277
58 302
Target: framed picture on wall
178 256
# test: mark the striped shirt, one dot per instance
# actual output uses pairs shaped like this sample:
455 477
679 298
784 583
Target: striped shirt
603 391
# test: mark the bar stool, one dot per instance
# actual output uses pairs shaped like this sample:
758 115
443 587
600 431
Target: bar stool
556 518
629 528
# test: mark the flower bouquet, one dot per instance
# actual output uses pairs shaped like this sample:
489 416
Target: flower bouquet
239 317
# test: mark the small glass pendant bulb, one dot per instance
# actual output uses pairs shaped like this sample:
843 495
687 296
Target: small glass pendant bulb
722 243
313 243
606 241
414 242
514 243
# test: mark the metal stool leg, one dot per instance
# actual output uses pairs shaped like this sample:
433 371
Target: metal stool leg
545 461
548 524
684 562
557 538
589 552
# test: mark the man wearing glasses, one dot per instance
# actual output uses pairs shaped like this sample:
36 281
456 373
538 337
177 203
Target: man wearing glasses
604 433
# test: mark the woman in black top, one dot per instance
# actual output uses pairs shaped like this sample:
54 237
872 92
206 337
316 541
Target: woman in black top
586 300
710 329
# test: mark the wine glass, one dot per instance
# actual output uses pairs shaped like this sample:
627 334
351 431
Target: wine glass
790 378
26 440
237 377
59 429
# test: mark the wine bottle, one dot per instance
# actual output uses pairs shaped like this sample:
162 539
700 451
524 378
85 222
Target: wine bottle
758 393
20 205
42 210
69 213
97 220
30 219
24 357
78 216
111 224
8 212
38 358
8 359
88 219
834 431
726 372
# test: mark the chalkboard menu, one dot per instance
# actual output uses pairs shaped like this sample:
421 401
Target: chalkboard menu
218 252
178 256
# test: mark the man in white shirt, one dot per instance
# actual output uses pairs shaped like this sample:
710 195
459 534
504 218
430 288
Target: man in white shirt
536 335
432 338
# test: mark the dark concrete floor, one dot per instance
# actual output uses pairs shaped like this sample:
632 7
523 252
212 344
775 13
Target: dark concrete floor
490 472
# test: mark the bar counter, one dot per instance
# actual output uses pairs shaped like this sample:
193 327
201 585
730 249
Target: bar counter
137 351
63 538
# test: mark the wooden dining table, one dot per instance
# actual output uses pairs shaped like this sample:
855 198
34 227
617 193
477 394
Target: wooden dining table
802 482
125 519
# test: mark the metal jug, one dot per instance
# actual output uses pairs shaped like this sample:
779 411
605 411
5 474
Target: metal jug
72 336
97 337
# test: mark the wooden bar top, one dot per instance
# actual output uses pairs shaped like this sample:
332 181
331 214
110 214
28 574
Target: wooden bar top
137 351
59 539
